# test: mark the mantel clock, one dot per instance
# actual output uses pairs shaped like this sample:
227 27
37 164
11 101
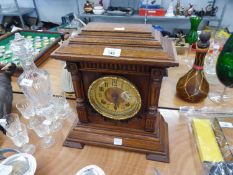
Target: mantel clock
117 70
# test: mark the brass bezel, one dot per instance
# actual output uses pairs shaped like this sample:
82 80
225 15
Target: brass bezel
107 115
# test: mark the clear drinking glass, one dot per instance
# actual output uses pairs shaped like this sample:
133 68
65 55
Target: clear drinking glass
21 140
26 109
10 123
210 65
41 126
62 107
17 132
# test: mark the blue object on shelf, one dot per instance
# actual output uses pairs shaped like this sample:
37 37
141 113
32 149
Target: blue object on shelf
157 27
149 6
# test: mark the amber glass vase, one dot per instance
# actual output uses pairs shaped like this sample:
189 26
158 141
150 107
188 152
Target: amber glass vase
193 86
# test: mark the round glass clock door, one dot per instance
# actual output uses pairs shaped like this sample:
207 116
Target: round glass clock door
114 97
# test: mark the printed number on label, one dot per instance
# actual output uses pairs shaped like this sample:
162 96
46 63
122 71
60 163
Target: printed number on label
117 141
119 28
112 52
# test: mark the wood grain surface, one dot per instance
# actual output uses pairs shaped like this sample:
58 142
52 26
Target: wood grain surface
168 98
112 27
60 160
128 55
116 42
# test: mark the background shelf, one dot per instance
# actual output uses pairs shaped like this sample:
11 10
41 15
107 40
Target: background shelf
16 12
136 16
20 11
168 23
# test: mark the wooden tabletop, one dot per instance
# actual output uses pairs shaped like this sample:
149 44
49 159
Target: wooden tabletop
168 98
61 160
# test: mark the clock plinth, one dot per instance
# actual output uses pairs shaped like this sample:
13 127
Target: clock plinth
140 70
155 144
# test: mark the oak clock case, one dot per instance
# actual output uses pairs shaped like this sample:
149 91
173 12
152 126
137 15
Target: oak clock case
101 99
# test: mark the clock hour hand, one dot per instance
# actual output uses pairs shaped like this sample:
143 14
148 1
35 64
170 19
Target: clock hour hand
115 98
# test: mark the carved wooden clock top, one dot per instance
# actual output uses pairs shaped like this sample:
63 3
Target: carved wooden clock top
129 55
116 42
118 28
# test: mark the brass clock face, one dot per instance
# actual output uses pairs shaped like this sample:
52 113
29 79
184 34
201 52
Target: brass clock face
114 97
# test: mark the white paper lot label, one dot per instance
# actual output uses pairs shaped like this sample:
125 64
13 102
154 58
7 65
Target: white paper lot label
119 28
112 52
26 82
226 124
117 141
3 123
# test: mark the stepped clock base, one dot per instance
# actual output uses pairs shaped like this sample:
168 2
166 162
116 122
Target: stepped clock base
155 144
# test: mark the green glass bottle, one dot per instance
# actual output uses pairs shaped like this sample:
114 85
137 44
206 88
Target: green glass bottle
224 67
192 37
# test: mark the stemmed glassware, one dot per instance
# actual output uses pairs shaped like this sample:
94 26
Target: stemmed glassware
41 126
26 110
224 71
62 107
49 113
17 132
42 109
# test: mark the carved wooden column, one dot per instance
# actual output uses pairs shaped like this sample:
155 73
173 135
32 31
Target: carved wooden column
153 100
79 92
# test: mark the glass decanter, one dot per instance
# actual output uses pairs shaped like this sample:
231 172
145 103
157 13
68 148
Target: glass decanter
34 82
193 86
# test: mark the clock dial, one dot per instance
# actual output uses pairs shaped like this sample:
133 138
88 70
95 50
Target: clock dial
114 97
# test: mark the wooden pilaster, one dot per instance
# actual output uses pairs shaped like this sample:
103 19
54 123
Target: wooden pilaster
79 91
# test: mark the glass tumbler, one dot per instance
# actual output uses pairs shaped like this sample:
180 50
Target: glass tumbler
21 140
27 111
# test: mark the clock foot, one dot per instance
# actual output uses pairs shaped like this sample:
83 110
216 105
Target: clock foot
156 157
73 144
